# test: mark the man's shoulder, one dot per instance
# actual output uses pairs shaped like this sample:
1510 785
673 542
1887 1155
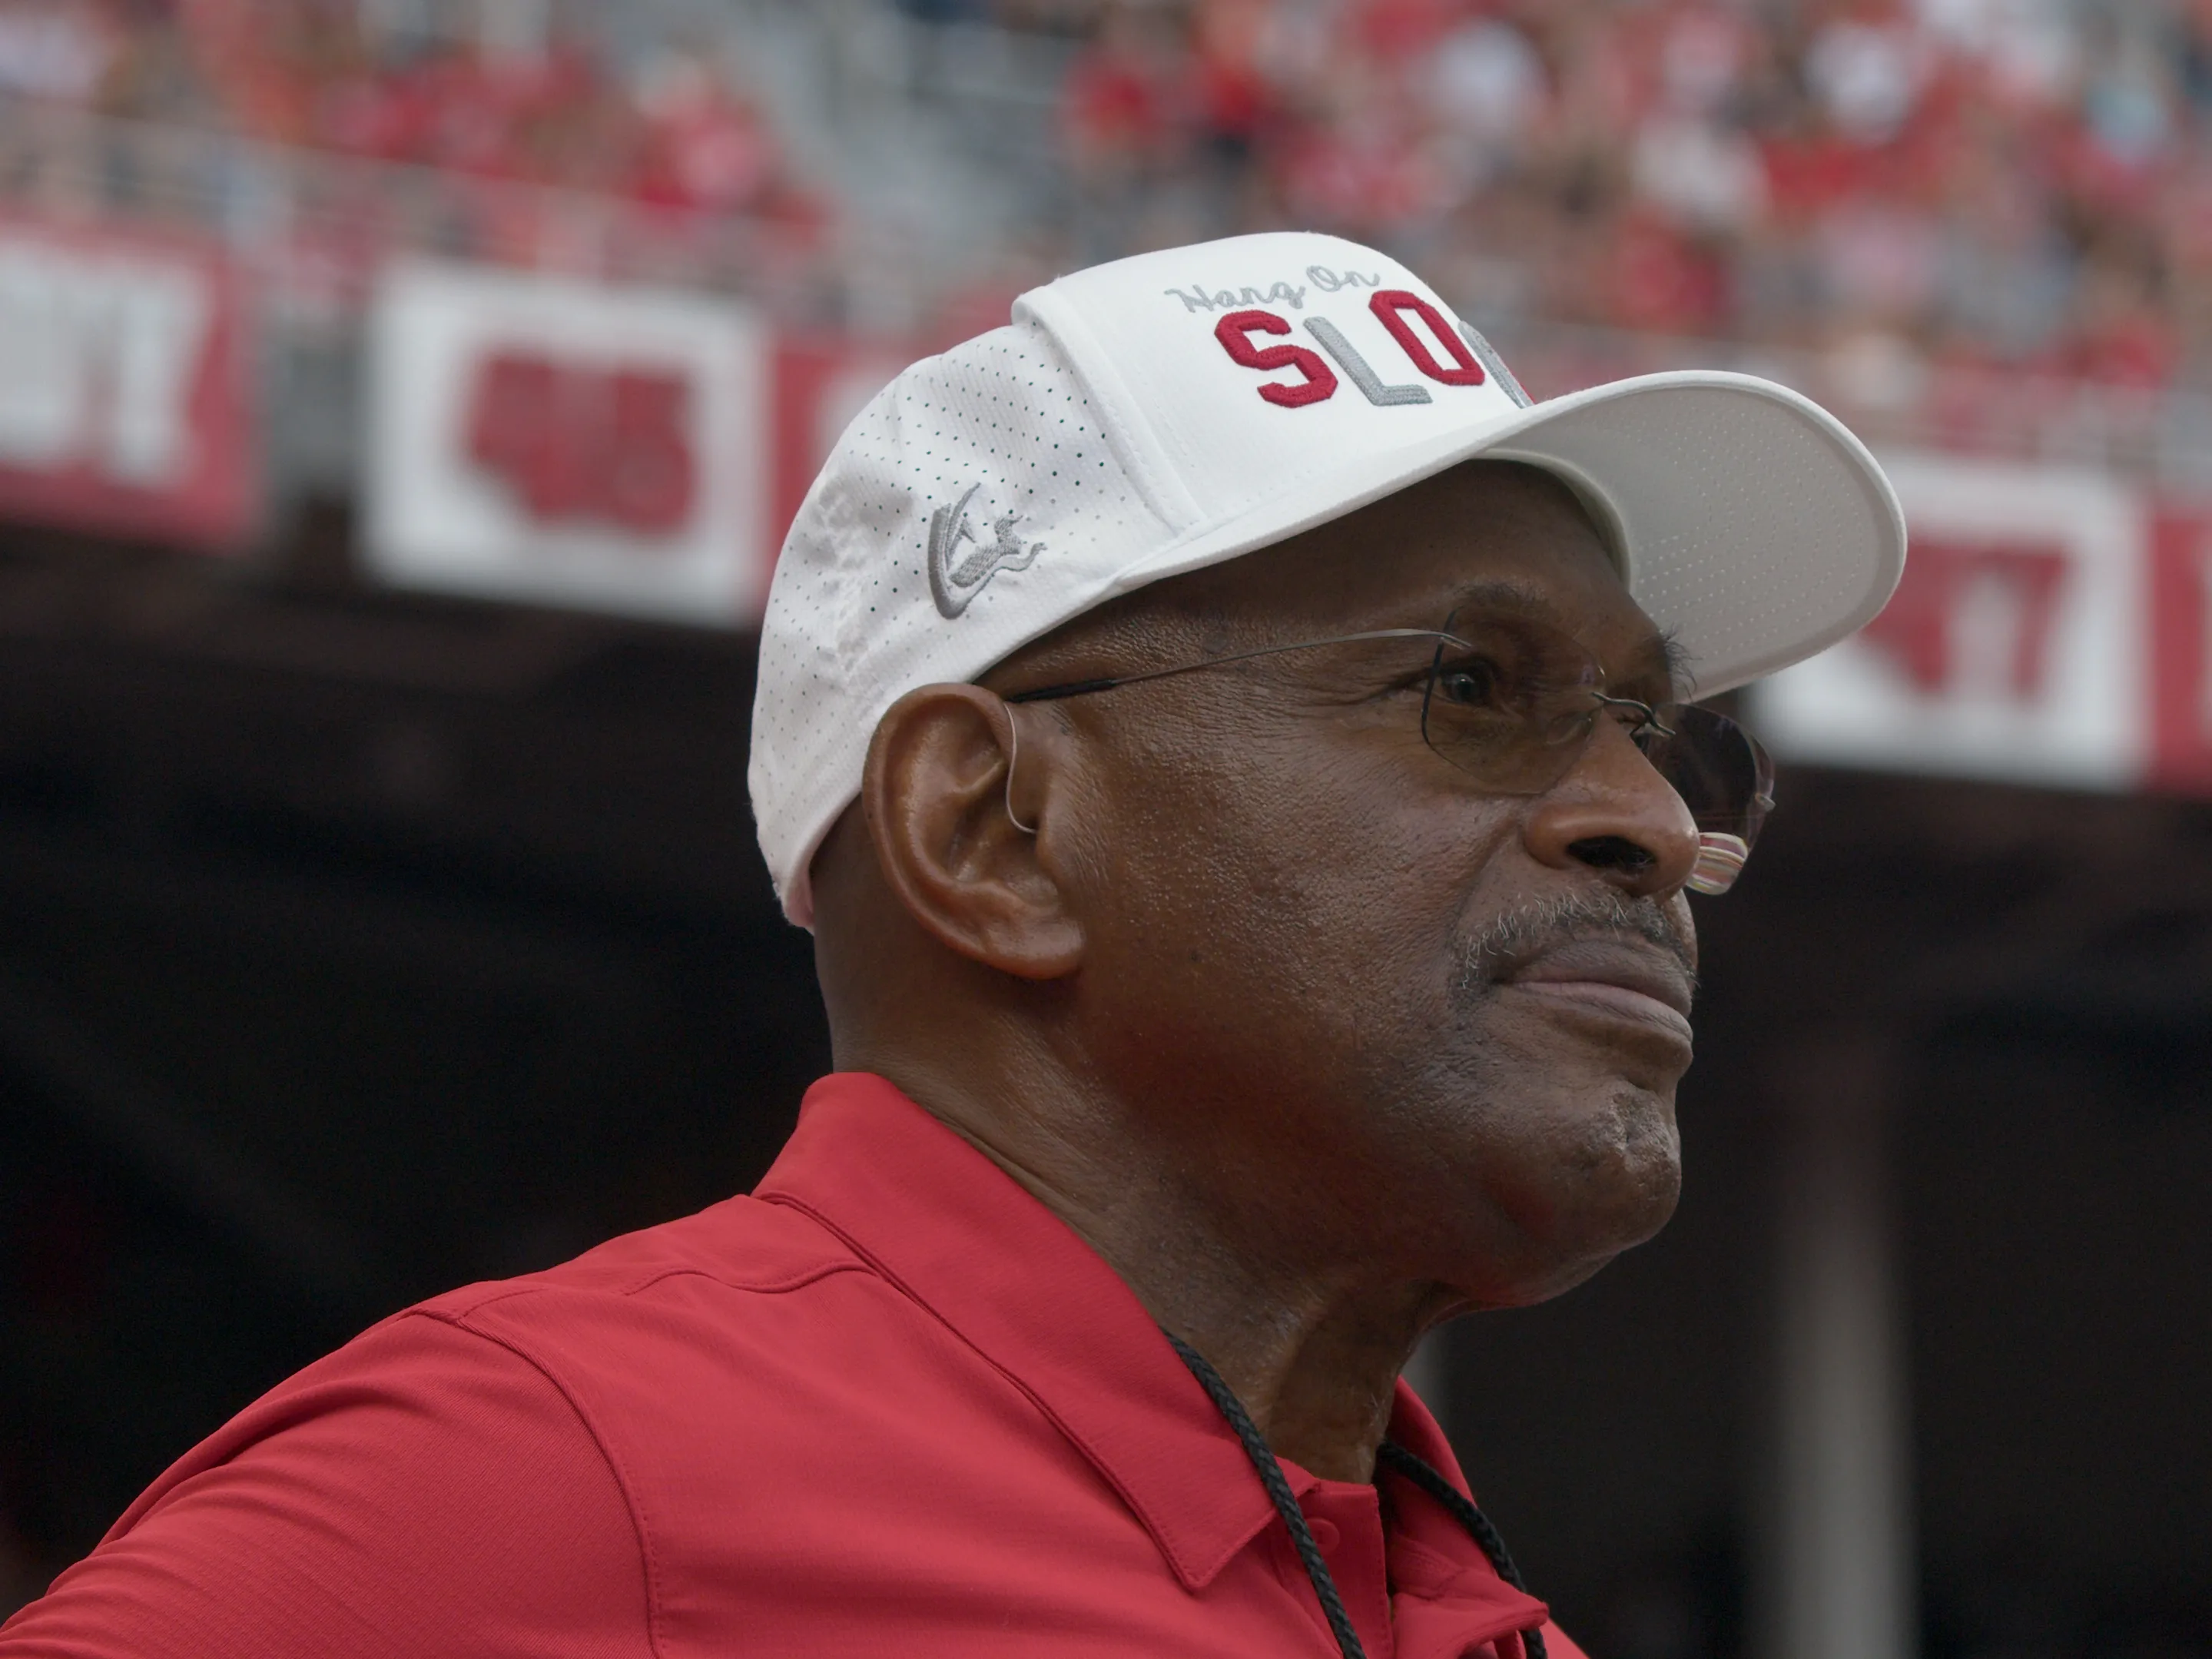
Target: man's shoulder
744 1356
744 1245
662 1312
705 1288
624 1345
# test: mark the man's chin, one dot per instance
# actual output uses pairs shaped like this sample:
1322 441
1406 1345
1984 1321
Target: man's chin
1616 1178
1628 1191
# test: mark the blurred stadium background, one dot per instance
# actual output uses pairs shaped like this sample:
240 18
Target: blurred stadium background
400 403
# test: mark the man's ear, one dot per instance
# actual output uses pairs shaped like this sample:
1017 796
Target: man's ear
938 810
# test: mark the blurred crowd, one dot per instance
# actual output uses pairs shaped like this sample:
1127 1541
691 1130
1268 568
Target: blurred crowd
2013 184
2001 184
499 91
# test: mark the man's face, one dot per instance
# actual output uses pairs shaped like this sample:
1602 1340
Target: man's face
1367 995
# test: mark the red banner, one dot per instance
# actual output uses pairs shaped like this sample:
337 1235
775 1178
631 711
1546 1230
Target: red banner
127 405
2181 651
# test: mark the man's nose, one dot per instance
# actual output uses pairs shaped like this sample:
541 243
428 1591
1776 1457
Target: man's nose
1614 813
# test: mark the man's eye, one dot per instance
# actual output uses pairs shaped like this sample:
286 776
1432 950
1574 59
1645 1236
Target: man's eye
1474 683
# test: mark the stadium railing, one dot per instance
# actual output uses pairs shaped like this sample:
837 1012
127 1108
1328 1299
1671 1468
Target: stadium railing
312 229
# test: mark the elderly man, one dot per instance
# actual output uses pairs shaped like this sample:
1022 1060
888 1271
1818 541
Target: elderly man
1232 751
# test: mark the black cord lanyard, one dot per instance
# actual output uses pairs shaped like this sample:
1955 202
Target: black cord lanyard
1455 1503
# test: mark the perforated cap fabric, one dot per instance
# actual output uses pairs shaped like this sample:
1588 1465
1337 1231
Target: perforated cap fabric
1147 418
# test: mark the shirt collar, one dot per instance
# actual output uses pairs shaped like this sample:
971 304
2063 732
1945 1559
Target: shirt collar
960 1235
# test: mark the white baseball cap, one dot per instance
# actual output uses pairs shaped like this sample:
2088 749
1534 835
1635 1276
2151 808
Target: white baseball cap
1168 411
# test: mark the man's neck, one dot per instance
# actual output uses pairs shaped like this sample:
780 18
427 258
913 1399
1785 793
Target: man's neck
1312 1346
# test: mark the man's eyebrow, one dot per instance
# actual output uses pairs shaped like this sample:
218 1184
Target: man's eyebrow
1668 658
1513 598
1658 656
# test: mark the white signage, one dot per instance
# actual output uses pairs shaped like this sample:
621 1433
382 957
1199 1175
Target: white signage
126 397
2016 647
101 350
544 440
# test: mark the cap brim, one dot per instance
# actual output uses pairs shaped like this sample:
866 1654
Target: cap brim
1750 525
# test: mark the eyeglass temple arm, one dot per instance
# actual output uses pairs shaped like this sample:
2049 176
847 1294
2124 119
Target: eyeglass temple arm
1083 688
1651 714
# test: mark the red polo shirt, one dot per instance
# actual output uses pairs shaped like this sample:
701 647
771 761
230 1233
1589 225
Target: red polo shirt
887 1404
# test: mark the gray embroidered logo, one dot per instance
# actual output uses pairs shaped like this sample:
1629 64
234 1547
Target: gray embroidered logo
952 585
1361 371
1486 354
1229 299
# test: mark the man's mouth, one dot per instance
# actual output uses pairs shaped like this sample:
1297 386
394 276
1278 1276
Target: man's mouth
1610 977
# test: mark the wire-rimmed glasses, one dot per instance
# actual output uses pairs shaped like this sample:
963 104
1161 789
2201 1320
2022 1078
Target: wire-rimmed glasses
1513 702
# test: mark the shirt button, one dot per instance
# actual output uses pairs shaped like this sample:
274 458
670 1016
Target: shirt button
1326 1536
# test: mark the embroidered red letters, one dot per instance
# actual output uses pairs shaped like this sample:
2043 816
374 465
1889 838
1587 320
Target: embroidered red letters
1235 332
1391 304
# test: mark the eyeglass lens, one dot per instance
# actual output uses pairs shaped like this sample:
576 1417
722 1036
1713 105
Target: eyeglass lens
1513 702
